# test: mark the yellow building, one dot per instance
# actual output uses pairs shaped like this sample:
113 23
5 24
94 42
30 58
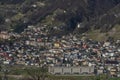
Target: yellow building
57 45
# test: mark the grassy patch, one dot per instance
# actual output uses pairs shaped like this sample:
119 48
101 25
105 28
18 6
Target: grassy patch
17 17
72 77
15 70
115 32
96 35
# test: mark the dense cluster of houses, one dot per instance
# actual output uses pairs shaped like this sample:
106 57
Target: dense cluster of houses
34 47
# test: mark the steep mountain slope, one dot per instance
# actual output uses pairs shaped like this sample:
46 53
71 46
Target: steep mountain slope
91 14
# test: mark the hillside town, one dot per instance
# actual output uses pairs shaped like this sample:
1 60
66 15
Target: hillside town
68 54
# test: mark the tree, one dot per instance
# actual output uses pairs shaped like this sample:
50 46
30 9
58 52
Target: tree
39 73
1 19
18 26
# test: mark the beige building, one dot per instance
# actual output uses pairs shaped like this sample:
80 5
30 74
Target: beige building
4 35
71 70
